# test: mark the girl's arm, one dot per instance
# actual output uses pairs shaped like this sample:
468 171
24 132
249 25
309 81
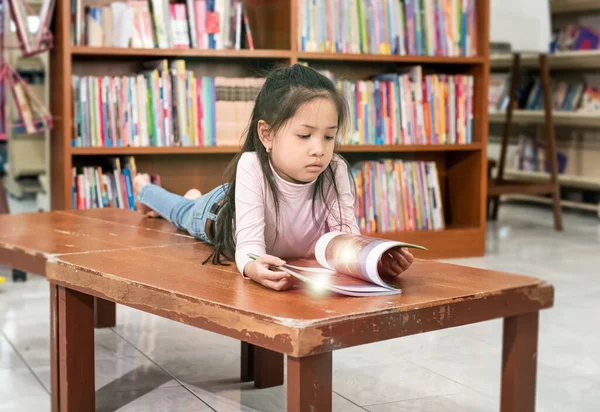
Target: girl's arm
346 201
250 227
249 211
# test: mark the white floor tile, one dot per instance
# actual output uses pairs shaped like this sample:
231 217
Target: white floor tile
19 384
233 396
463 401
9 359
37 403
390 383
158 400
121 374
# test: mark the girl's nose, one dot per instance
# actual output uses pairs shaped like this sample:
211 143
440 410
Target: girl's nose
317 148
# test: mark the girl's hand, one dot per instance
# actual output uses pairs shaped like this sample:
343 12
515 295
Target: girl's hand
395 261
259 271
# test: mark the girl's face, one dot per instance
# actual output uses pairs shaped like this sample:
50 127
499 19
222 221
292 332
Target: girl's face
302 149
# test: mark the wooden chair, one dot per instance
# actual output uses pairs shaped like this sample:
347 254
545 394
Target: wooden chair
499 186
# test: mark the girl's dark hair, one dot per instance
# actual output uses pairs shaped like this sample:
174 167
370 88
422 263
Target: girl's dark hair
285 90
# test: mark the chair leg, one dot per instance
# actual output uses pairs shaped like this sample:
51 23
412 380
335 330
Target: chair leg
551 141
495 201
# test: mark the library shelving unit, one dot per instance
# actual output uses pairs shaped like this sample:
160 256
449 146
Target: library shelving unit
573 63
462 168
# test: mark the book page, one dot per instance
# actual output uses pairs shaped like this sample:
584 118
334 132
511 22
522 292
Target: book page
355 255
318 279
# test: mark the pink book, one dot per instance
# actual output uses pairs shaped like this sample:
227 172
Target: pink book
200 12
200 109
174 26
111 110
181 13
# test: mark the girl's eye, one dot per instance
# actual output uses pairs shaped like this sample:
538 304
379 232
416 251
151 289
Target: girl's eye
329 137
303 136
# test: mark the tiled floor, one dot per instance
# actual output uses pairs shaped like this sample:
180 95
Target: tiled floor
151 364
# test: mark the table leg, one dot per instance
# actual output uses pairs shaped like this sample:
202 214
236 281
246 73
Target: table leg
268 368
247 362
75 351
54 369
519 363
309 383
263 366
105 313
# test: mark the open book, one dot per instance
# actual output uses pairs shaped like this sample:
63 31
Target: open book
346 264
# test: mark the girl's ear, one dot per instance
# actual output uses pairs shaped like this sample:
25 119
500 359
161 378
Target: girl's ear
264 134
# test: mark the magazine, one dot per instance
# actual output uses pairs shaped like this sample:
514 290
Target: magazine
345 263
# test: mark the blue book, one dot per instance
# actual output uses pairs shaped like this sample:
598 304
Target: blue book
128 187
378 113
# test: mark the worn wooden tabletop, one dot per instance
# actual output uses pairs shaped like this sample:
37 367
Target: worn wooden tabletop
147 264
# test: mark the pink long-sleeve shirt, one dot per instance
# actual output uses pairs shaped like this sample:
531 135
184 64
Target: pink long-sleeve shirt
297 232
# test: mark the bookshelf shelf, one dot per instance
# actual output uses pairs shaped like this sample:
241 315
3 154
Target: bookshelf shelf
462 168
180 53
386 58
571 60
122 151
560 118
271 54
573 6
581 182
570 204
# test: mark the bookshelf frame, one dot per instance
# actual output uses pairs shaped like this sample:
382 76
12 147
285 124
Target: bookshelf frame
462 168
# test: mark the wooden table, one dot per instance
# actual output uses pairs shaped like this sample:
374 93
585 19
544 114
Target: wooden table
146 265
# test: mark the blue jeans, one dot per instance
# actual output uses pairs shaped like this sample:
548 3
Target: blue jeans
185 214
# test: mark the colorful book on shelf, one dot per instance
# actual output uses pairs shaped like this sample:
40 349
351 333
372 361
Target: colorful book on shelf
346 264
415 27
409 108
198 24
95 187
395 195
166 105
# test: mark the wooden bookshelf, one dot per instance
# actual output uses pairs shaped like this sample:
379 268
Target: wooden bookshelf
462 168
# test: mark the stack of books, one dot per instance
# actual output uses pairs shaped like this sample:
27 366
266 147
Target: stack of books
410 108
402 27
396 195
233 107
198 24
94 187
164 106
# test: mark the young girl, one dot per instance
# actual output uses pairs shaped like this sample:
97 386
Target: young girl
288 189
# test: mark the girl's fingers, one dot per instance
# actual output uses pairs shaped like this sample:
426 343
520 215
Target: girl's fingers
387 266
273 276
282 284
409 256
401 260
271 260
